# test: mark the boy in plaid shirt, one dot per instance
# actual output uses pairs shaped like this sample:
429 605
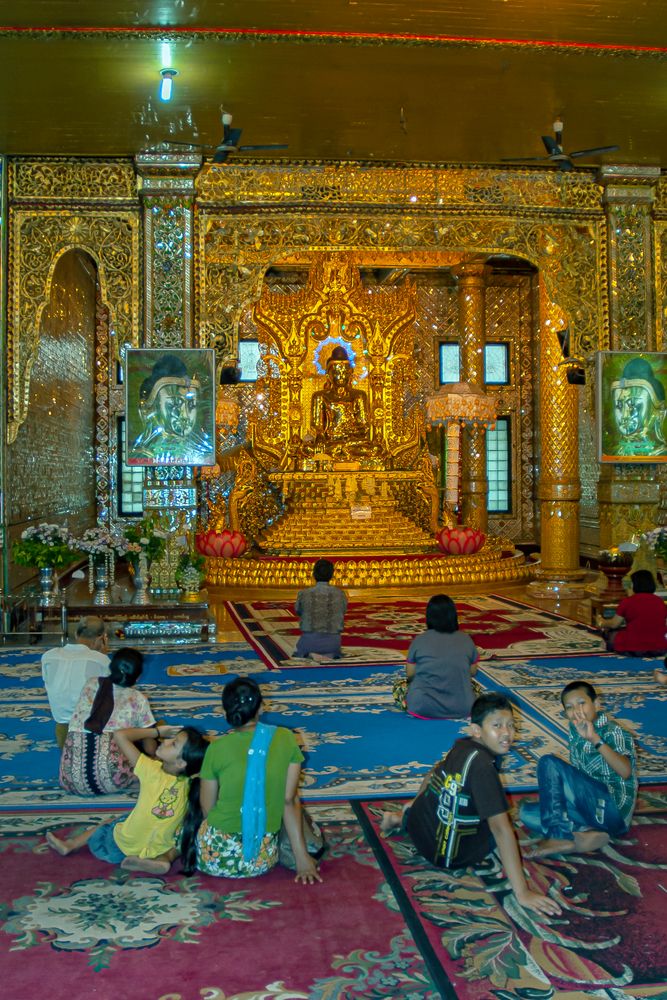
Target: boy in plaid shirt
584 803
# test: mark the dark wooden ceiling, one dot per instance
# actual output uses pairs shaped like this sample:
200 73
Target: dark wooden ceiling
450 81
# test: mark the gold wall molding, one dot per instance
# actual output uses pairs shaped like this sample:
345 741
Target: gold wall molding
233 251
63 179
38 238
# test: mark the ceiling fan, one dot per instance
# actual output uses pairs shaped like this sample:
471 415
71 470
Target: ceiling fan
229 143
556 154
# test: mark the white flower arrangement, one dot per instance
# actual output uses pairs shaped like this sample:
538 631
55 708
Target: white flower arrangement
102 547
45 545
657 540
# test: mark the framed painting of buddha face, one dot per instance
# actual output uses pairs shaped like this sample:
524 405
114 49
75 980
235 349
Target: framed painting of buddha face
170 407
632 410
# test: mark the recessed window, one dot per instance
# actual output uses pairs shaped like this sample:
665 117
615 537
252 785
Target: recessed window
249 357
496 363
130 480
450 363
498 459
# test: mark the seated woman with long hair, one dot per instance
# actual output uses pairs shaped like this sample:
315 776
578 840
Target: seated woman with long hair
91 762
249 786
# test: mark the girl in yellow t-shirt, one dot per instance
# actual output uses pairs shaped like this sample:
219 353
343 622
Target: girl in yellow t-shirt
165 820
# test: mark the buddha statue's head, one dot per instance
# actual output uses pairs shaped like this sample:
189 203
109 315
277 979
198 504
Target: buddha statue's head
339 368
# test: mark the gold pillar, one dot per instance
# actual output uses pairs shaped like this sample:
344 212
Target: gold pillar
629 494
471 277
559 489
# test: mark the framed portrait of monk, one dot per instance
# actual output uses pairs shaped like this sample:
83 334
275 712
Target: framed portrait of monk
631 406
170 407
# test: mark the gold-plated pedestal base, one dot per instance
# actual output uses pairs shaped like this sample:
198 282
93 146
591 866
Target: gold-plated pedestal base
487 566
557 589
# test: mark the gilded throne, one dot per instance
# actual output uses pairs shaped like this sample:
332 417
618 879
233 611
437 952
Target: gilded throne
337 460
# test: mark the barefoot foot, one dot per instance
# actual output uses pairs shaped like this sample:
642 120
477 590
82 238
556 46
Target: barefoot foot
550 845
154 866
61 846
586 841
390 821
660 676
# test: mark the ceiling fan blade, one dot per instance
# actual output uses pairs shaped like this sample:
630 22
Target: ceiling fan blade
551 145
271 145
595 151
221 154
230 136
524 159
192 145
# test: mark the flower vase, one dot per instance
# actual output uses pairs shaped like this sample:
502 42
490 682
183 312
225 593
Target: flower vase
101 583
140 580
47 587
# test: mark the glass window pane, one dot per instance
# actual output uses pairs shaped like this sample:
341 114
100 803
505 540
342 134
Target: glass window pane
496 364
248 357
450 363
498 466
130 480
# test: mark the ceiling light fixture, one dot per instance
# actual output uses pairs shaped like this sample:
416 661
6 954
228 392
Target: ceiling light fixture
166 86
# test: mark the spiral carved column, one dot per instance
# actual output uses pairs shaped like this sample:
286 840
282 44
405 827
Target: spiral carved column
471 277
559 489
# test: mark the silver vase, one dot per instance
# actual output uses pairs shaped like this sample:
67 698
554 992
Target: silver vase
102 593
140 580
48 591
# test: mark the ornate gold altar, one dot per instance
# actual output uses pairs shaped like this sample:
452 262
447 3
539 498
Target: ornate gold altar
336 461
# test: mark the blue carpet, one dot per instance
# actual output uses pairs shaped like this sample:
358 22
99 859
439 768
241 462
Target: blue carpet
357 744
625 685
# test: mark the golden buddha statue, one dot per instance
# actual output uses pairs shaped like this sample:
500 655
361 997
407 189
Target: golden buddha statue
340 418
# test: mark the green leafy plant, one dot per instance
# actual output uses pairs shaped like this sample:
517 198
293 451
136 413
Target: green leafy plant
190 561
147 536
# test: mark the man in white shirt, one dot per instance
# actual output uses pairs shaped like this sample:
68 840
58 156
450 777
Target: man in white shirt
66 669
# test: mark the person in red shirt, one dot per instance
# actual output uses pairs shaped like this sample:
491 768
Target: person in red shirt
640 623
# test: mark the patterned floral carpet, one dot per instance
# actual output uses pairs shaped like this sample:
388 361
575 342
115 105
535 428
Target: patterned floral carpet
610 940
399 930
380 633
74 927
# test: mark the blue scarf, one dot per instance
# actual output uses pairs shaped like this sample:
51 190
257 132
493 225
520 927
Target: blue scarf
253 810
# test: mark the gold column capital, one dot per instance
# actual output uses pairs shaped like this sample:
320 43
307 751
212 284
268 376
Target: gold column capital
626 183
471 272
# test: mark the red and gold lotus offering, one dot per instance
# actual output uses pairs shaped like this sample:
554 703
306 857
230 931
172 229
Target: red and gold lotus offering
224 544
460 541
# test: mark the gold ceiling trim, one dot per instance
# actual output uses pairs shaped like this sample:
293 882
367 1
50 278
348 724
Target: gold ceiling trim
416 187
349 38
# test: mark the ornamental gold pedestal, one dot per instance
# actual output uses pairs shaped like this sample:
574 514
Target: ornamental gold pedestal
496 562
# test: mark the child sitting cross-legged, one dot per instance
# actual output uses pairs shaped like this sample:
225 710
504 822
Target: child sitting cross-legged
584 803
460 812
166 817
